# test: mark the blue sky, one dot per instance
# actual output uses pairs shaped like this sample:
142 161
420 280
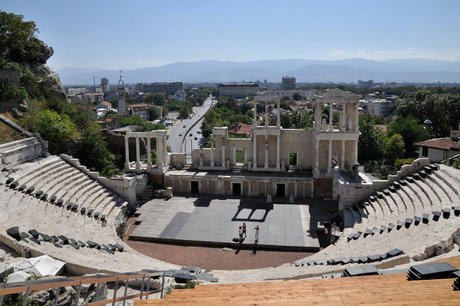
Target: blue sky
135 34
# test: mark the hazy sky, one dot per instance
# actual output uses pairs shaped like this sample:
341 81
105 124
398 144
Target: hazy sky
134 34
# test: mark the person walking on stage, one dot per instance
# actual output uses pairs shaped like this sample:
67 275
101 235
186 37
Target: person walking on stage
256 240
244 230
240 231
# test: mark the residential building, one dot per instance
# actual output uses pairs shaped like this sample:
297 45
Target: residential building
366 84
288 83
238 90
379 107
105 84
103 108
439 149
141 110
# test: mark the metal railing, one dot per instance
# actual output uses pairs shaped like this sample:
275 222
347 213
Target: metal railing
35 285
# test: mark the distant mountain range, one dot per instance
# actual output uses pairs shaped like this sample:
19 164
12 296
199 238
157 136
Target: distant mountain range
348 70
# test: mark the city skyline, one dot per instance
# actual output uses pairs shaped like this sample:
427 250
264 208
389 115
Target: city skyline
113 34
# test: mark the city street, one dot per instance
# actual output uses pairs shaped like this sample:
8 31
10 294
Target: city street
179 134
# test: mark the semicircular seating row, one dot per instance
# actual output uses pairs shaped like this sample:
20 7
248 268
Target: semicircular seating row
51 197
412 214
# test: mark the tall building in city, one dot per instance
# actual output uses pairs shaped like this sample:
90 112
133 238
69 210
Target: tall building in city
288 83
121 95
105 84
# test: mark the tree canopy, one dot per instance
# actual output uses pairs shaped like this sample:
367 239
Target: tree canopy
371 141
18 41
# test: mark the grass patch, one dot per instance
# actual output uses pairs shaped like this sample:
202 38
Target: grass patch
7 133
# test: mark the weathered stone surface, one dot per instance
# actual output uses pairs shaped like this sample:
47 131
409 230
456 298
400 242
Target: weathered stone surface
40 297
19 276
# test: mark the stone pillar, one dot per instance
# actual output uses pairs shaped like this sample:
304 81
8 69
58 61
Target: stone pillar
201 155
223 152
356 152
317 124
295 189
212 150
249 188
254 122
127 152
266 152
159 146
342 158
266 115
329 158
138 154
356 117
149 154
278 152
164 151
331 128
278 120
344 116
254 150
316 169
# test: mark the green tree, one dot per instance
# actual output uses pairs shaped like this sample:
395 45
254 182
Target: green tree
296 96
410 131
157 99
54 128
443 110
93 152
394 149
18 41
285 121
371 141
154 113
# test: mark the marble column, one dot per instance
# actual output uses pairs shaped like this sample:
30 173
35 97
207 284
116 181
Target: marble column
254 150
149 154
223 153
331 128
159 147
356 117
278 152
356 152
317 124
212 150
138 154
278 120
342 158
344 116
329 158
266 115
127 152
201 155
316 170
266 152
254 120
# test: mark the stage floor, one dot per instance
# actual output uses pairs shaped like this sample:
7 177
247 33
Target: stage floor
215 221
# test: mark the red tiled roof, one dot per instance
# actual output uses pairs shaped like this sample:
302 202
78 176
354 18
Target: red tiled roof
445 144
138 105
105 103
242 129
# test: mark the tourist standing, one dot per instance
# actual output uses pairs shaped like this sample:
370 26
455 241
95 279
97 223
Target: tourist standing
244 230
240 231
256 241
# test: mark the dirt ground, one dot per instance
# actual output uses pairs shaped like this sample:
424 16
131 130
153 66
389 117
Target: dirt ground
210 258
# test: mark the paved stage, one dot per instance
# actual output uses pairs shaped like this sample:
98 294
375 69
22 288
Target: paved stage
215 221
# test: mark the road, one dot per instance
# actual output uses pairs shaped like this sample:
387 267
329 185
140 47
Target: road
179 135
